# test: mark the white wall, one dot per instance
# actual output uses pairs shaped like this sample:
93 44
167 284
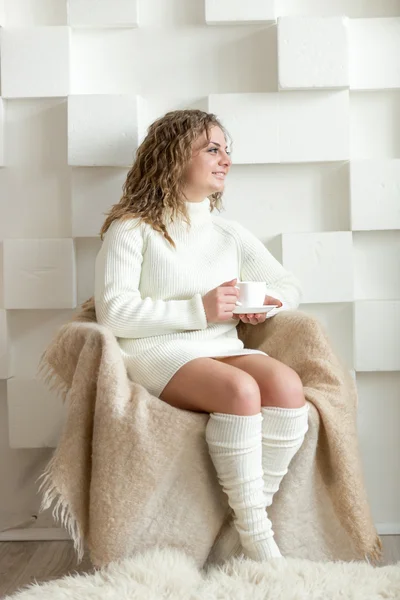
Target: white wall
314 109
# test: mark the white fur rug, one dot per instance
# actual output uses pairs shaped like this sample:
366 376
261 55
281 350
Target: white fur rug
169 574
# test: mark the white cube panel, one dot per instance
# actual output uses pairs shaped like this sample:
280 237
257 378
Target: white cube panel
31 331
35 62
253 122
102 130
35 13
378 432
237 11
322 262
35 415
312 52
102 13
314 126
321 189
375 125
4 346
86 252
376 256
374 50
2 13
375 194
285 127
376 336
110 60
93 192
39 274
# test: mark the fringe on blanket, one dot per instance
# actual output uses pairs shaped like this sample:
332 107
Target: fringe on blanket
375 556
61 512
47 375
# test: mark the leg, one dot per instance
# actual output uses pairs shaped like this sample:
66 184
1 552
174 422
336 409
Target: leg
233 435
285 415
279 384
206 385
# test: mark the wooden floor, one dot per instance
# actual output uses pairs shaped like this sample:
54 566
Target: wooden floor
22 563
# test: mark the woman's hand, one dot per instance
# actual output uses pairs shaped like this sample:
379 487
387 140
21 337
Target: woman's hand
256 318
220 302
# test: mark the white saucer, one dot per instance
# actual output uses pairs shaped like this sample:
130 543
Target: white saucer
241 310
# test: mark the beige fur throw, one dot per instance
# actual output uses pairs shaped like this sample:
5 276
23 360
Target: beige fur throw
131 471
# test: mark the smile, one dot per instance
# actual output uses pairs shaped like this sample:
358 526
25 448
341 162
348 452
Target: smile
219 175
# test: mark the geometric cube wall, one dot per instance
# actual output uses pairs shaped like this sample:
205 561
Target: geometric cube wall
323 262
337 52
313 52
86 252
35 416
247 115
295 126
314 126
218 12
373 53
35 62
102 130
376 335
39 274
376 259
378 431
4 346
91 191
375 194
101 13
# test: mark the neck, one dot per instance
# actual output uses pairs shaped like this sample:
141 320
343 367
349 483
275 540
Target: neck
194 193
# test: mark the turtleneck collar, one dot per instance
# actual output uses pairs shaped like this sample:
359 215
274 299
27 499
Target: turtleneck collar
199 212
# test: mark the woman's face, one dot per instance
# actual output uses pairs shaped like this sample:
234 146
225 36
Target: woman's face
209 166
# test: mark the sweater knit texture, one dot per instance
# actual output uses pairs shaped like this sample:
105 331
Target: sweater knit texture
150 294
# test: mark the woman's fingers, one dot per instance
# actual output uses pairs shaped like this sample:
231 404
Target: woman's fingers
249 318
252 318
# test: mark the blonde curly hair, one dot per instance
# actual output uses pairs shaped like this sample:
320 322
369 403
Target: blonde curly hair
155 181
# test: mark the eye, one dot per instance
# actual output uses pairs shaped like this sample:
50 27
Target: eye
216 150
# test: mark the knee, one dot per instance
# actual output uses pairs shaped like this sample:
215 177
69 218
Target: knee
284 389
244 394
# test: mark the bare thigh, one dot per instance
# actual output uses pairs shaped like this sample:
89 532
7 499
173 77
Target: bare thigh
208 385
279 385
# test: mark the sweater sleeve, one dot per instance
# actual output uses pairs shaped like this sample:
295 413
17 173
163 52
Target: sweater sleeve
119 305
258 264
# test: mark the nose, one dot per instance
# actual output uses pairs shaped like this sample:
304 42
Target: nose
225 160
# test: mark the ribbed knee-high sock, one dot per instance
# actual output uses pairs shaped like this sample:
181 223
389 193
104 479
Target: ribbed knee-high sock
283 432
234 443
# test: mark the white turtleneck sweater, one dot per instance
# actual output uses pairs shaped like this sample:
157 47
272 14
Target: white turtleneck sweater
150 294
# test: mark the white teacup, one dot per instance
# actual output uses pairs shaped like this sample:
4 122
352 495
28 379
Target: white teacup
251 293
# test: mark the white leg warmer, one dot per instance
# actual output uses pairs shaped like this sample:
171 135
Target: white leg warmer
283 432
234 443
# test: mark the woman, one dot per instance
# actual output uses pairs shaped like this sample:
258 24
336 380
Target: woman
165 285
